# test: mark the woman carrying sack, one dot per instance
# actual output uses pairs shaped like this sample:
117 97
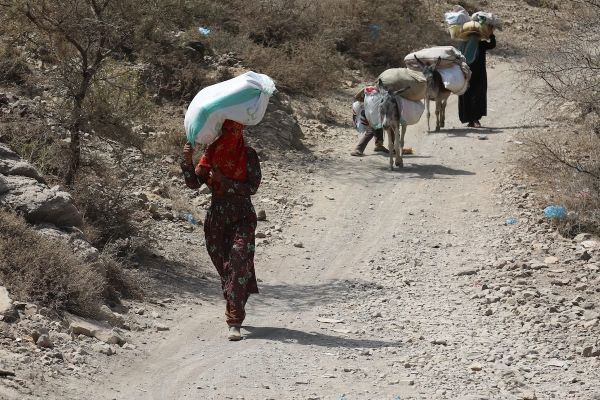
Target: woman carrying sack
232 171
472 105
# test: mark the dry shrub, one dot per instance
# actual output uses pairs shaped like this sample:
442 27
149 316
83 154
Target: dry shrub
305 44
33 141
44 271
13 67
310 67
119 283
100 196
567 160
543 4
569 172
115 103
174 73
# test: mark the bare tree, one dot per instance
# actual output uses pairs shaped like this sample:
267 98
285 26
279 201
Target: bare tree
569 66
81 35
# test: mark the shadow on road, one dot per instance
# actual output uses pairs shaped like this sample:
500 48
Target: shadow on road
427 171
486 130
293 336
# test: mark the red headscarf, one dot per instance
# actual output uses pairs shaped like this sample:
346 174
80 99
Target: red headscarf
228 153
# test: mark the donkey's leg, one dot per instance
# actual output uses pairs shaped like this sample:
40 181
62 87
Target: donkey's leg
438 114
400 144
397 148
444 104
428 115
391 146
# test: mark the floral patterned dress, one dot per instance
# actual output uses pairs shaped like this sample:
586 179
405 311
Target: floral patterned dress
230 238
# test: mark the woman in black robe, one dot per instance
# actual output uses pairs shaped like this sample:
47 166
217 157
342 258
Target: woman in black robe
473 104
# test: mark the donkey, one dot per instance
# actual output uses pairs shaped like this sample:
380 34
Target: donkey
391 112
435 91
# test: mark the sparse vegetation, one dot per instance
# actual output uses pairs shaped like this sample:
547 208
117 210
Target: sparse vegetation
567 160
45 271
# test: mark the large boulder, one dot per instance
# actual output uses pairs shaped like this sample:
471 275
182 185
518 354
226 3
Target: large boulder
3 185
7 308
279 129
39 203
74 239
12 164
23 190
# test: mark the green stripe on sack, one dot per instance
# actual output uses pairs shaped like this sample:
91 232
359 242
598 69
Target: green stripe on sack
220 103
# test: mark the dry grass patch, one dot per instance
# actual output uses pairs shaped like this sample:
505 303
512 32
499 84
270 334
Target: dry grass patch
43 271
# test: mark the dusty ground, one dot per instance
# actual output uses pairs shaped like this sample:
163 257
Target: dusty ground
374 284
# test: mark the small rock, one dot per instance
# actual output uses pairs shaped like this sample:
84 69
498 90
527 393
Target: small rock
590 244
5 372
466 272
45 342
260 235
160 327
30 309
582 237
591 351
36 333
528 395
300 245
7 309
475 367
590 315
585 256
441 342
101 331
110 337
261 215
129 346
550 260
103 349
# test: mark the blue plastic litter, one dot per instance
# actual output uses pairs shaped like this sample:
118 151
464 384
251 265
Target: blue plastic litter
204 31
374 31
190 218
511 221
555 212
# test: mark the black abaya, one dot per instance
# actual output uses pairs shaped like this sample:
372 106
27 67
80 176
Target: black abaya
473 104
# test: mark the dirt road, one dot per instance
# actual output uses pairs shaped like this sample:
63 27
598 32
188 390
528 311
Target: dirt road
375 304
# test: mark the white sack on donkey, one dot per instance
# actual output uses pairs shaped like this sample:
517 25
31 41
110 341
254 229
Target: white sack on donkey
243 99
454 79
358 110
411 111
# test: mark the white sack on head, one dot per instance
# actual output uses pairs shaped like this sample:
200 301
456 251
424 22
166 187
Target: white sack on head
449 56
488 19
457 16
243 99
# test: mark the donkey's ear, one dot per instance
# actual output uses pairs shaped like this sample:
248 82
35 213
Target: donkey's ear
421 63
438 62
